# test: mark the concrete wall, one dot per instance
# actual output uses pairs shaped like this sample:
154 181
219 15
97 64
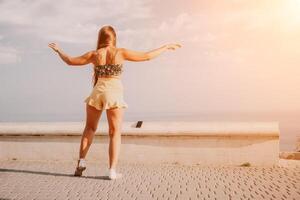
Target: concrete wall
225 143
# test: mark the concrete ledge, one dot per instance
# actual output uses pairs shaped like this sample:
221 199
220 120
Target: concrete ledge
150 128
221 143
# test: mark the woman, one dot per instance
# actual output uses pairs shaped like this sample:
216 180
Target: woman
107 93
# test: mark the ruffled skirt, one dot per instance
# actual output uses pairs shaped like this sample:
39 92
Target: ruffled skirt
107 93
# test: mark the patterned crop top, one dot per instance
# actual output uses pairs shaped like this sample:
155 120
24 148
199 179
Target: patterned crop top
109 69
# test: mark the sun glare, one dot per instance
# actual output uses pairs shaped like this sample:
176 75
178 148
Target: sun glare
291 13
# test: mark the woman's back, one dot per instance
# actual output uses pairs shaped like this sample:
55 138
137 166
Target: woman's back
107 56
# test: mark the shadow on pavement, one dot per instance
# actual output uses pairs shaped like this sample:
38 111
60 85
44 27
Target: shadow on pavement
52 174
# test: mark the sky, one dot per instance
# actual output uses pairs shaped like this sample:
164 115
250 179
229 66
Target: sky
237 56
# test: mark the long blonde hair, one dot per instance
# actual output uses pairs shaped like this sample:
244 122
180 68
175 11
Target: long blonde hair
106 36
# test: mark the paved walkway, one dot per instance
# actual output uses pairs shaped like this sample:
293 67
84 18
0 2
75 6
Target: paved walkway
54 180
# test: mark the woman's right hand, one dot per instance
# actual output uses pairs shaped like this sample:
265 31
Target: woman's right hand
54 46
173 46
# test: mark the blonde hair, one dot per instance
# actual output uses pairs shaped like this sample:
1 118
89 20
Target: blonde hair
106 36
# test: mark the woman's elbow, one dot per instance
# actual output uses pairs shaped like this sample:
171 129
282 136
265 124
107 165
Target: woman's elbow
69 63
139 58
73 62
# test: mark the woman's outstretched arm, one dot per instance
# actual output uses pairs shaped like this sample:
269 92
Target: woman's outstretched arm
79 60
144 56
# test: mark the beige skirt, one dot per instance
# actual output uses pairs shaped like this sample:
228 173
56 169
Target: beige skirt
107 93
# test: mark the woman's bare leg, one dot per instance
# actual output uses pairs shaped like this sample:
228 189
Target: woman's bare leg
92 119
115 118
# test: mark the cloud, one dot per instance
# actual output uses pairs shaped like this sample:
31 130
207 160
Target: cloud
182 28
69 21
9 55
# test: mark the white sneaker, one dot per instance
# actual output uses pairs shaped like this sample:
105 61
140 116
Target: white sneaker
80 168
112 174
82 163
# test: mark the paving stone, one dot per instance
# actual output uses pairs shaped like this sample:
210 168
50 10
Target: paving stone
55 180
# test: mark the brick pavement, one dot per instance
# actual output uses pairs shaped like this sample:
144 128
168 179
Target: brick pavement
55 180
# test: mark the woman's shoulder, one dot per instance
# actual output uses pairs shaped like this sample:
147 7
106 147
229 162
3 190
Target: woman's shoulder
93 52
121 49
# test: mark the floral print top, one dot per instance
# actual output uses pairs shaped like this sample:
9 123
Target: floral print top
109 69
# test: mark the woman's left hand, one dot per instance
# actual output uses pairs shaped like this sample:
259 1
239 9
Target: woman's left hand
54 46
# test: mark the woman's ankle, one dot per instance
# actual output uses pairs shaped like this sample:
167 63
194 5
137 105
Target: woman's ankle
112 167
81 162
